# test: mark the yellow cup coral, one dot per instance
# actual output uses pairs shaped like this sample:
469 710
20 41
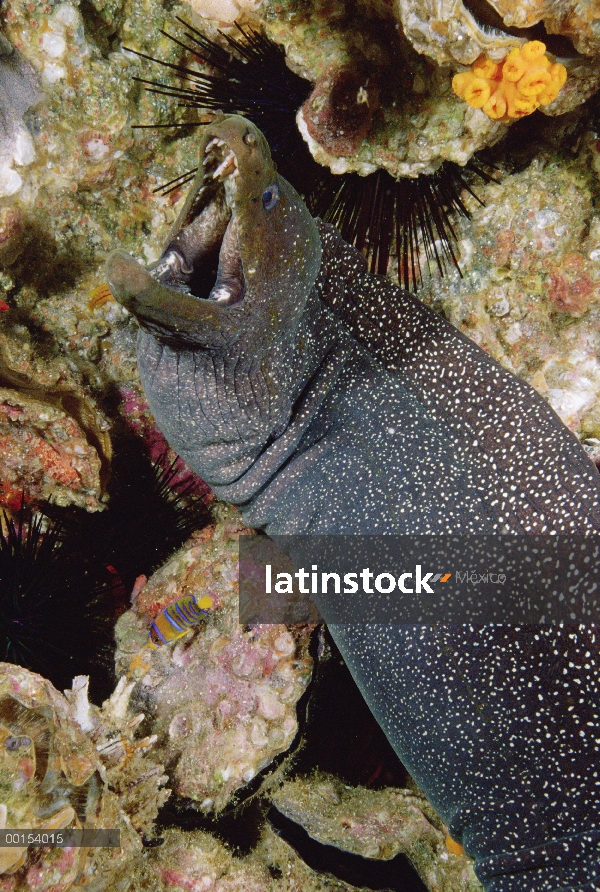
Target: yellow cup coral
524 80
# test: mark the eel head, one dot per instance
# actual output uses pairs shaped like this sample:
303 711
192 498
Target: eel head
241 259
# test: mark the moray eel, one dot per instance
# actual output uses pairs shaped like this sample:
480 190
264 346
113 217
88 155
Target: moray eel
323 399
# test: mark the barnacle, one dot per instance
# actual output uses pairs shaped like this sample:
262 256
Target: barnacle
515 87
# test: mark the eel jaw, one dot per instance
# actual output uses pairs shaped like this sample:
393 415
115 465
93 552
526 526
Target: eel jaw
204 258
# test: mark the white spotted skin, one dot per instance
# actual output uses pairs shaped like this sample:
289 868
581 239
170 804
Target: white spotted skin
501 727
371 415
541 479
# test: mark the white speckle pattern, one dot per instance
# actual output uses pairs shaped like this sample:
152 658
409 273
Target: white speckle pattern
534 469
346 406
501 730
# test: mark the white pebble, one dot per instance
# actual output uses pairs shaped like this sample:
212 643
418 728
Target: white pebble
10 181
54 45
512 334
284 644
67 15
546 218
500 308
96 149
24 152
269 706
53 73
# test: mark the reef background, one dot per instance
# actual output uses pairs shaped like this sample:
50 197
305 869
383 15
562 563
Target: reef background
75 182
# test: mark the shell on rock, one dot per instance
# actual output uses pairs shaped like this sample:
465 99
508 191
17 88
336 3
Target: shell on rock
65 763
449 33
571 18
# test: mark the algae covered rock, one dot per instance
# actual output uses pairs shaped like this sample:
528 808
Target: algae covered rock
378 824
221 700
67 764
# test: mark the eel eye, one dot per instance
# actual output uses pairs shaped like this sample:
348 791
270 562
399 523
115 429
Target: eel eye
270 196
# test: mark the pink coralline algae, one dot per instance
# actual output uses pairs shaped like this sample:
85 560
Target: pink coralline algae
45 454
222 700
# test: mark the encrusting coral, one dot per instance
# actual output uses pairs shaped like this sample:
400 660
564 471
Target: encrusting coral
65 763
221 700
378 824
514 87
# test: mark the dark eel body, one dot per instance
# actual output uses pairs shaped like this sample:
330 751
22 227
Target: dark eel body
322 399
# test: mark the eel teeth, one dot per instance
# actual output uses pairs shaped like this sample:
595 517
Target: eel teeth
215 141
227 166
217 152
221 295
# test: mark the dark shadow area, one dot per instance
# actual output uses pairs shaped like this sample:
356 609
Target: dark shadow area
486 15
396 875
342 736
46 267
537 135
62 590
239 828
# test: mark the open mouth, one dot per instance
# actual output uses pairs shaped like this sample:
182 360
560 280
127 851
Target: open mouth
204 258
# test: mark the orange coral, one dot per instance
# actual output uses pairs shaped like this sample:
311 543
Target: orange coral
515 87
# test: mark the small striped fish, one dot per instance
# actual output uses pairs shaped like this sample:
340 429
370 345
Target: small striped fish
176 619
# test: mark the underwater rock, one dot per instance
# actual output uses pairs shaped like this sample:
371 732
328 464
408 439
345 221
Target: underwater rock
65 763
530 292
223 11
55 441
449 33
417 122
18 92
377 824
197 861
11 235
84 189
45 455
222 700
417 125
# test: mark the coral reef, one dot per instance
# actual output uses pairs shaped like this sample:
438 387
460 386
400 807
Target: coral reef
45 453
55 442
515 87
530 295
65 763
18 91
71 189
401 115
222 700
196 861
377 824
